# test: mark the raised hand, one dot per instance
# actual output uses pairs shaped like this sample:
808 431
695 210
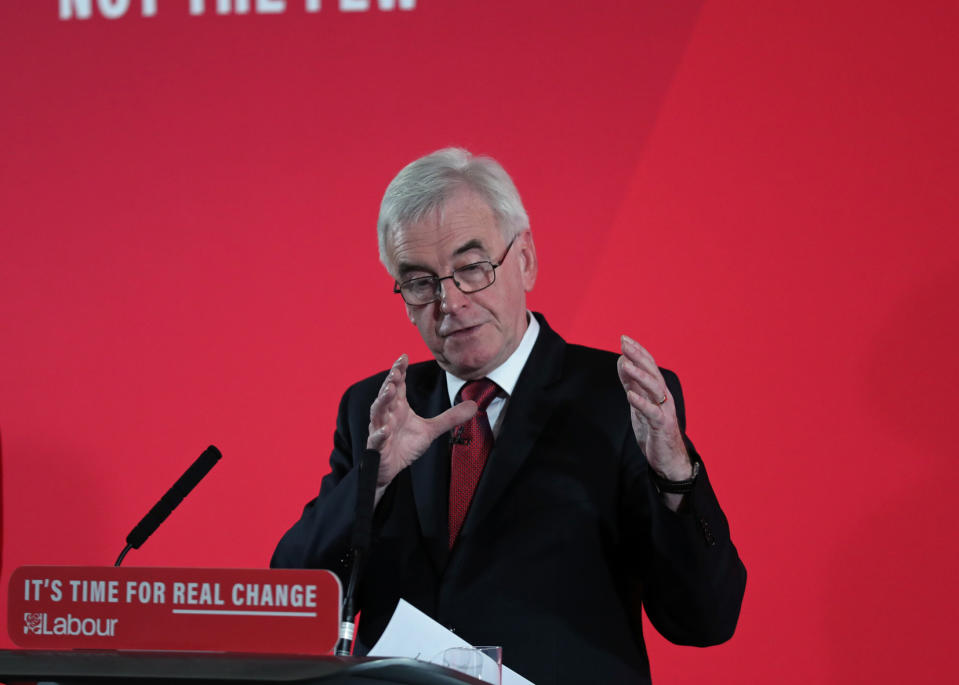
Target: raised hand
652 412
397 432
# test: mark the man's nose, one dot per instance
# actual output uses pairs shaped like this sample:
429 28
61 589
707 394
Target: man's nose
451 297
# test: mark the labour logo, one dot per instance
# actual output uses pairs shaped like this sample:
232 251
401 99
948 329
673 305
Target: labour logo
33 623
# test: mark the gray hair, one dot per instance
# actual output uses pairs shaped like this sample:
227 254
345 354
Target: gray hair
426 184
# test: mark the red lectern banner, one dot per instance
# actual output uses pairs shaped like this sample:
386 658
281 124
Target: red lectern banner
236 610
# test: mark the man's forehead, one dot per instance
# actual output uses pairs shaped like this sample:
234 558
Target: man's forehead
463 211
412 254
462 225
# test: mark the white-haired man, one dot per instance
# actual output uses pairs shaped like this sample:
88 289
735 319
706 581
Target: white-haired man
574 497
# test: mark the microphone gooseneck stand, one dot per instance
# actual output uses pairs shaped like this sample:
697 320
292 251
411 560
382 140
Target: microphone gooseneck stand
362 528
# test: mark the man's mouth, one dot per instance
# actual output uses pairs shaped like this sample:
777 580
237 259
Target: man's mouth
461 332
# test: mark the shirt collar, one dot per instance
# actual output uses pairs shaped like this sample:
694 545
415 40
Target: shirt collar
506 374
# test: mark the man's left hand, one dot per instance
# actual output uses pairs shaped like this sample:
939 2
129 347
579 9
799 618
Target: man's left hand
652 412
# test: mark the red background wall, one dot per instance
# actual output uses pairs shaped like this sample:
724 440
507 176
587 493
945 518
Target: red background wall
762 193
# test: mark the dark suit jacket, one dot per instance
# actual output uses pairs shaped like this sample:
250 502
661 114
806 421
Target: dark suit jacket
564 538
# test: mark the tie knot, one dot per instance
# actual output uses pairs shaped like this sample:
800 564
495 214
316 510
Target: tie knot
482 392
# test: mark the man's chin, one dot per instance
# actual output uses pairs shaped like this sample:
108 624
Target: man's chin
466 367
469 355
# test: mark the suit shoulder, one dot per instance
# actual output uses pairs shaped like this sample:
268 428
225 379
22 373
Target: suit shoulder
367 388
582 356
590 355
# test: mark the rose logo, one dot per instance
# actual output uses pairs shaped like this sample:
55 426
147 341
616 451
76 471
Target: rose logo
32 623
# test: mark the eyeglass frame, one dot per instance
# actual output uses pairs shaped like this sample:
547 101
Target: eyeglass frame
438 289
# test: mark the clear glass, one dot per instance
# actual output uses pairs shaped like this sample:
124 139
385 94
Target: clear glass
469 279
483 663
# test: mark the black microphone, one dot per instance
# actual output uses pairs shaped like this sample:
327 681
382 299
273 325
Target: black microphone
457 438
171 500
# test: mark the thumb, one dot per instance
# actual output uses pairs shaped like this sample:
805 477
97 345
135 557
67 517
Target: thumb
452 417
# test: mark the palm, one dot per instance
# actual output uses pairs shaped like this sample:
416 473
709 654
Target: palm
652 411
398 433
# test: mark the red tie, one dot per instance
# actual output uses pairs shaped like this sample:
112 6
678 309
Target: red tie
472 442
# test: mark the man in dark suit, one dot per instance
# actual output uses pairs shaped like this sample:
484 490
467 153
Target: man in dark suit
575 496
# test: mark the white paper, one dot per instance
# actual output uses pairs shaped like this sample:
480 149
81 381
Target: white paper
413 634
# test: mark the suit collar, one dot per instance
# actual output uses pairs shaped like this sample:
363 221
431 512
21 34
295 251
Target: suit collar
530 407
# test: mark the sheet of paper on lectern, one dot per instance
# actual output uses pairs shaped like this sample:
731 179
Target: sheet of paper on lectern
413 634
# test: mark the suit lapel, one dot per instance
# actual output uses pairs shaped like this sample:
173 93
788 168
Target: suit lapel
429 397
529 408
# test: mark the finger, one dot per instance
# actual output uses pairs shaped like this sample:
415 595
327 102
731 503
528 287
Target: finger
398 372
386 384
638 354
380 409
623 378
637 379
650 411
452 417
377 439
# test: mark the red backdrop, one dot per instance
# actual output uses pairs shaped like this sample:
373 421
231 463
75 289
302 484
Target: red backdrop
761 193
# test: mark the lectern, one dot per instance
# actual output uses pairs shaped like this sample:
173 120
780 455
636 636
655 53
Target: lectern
78 667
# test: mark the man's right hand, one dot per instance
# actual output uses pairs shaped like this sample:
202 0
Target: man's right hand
397 433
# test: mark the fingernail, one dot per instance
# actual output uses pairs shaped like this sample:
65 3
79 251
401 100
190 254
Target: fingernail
629 340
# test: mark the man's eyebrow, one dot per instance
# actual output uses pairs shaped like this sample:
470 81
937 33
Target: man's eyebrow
404 268
468 246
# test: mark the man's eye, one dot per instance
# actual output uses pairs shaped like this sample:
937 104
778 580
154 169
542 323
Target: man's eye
420 285
473 274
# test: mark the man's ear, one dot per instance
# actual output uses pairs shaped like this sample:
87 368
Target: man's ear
529 265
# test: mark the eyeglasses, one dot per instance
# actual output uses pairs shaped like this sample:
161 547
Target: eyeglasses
469 279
